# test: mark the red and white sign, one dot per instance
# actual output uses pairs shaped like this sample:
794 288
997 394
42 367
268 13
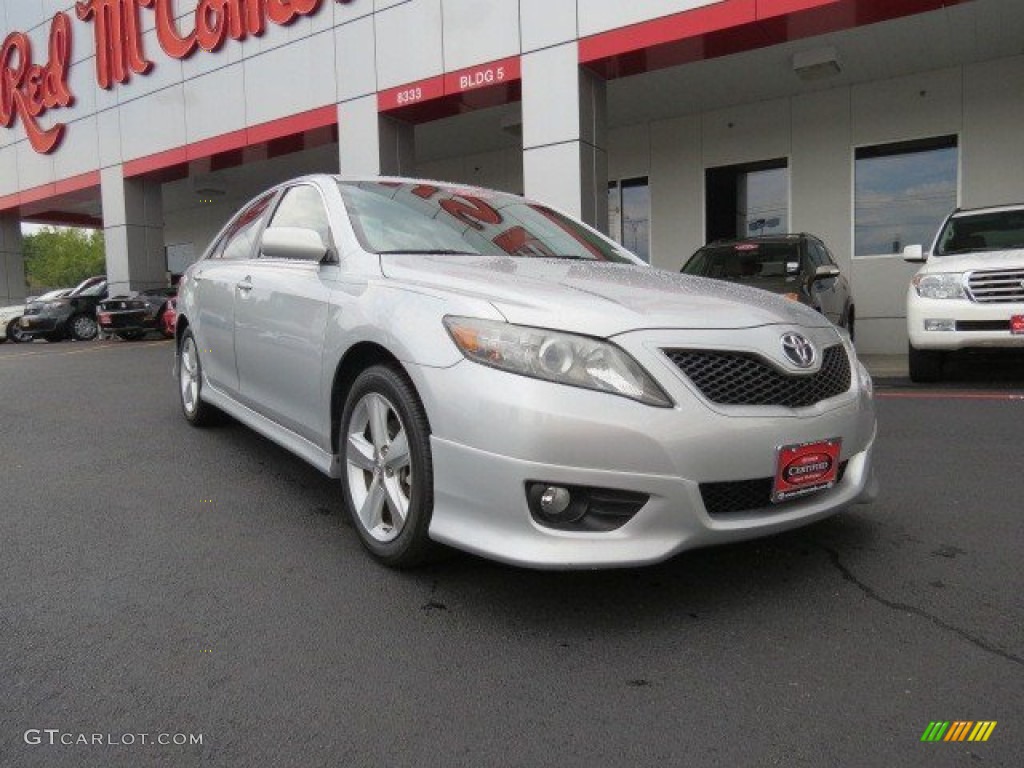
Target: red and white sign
453 83
28 90
805 468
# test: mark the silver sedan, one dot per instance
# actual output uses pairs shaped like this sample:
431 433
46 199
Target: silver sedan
482 371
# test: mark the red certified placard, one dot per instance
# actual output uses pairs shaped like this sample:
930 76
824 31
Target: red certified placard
806 468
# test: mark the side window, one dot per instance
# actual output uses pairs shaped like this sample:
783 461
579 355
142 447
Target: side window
818 256
241 235
303 207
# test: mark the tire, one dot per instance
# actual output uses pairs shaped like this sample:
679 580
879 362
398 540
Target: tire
387 476
81 327
190 383
851 319
15 334
925 365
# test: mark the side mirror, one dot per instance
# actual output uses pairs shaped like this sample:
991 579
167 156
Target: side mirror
823 272
293 243
914 254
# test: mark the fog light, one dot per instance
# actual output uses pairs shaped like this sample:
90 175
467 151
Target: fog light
580 507
555 500
933 324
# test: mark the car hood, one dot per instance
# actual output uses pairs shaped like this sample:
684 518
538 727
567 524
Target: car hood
597 298
966 262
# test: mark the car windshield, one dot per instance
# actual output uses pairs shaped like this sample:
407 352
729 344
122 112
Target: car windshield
745 261
994 231
93 286
392 217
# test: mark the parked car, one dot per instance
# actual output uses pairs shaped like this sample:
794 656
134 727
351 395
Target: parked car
969 292
10 317
798 266
483 371
71 316
132 316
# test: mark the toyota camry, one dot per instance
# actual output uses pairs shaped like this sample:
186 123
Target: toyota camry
480 370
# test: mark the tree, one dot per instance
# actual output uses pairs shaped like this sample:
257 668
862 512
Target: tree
59 257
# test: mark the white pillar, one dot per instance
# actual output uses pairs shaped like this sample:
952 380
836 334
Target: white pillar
372 144
133 230
565 134
12 260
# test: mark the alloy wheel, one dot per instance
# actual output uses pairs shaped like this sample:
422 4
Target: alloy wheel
380 478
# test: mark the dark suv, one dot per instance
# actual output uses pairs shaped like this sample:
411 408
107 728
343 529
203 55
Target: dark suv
73 316
798 266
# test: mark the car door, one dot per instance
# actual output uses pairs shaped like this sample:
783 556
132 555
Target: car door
217 278
281 309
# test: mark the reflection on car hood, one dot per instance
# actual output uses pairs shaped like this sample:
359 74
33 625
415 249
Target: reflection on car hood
965 262
598 298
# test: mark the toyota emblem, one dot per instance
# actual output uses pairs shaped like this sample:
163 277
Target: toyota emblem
798 350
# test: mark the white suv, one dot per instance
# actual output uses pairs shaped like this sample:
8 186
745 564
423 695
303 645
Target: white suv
969 293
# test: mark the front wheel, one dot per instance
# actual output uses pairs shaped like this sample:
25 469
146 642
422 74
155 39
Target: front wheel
82 328
388 479
190 383
925 364
15 334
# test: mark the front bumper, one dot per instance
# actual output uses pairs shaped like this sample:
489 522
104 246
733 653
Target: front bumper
977 326
522 430
40 325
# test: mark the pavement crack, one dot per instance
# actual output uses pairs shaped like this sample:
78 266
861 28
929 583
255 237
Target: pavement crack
432 604
895 605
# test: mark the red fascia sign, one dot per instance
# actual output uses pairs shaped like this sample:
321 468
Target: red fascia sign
451 84
28 90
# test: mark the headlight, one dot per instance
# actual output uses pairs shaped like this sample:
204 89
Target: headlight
866 382
562 358
940 285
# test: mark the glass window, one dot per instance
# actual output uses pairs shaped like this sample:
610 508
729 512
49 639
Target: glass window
390 217
241 235
747 200
303 207
902 193
629 215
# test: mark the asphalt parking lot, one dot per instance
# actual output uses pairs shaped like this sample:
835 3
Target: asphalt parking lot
161 581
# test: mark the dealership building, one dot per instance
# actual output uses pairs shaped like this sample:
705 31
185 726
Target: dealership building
667 123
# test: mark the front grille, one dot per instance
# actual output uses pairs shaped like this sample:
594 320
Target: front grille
997 286
745 495
740 378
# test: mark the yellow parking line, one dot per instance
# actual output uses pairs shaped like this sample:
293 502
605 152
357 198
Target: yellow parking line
99 347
